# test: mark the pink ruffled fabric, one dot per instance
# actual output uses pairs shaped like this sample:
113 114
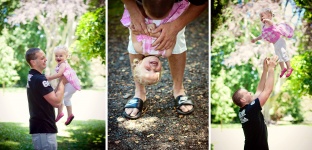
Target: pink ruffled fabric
176 11
274 32
70 75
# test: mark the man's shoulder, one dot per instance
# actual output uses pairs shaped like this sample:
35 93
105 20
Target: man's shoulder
37 77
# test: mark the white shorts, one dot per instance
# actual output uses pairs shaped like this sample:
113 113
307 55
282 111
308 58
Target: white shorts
179 47
42 141
68 93
280 50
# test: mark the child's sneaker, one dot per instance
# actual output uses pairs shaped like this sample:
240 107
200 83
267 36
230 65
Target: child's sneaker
59 117
283 72
289 72
69 119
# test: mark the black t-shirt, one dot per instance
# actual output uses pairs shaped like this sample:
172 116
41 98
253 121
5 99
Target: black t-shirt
42 115
255 130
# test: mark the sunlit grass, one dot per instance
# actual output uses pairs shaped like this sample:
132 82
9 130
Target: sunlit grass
80 135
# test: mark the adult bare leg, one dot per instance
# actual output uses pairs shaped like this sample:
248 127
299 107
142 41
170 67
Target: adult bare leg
177 64
140 91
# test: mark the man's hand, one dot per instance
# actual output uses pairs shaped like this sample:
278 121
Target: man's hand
63 80
137 18
167 37
272 62
265 65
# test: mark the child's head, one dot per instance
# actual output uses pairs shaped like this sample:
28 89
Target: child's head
61 54
157 9
147 71
266 13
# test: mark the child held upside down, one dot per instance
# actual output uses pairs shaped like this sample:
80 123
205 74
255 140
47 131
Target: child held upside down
148 70
273 33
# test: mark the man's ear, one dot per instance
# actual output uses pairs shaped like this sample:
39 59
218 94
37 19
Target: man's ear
32 62
242 100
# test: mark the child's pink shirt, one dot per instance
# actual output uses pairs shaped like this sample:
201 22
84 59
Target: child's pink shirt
147 41
274 32
70 75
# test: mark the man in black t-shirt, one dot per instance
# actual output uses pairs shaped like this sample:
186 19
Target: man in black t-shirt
41 101
255 130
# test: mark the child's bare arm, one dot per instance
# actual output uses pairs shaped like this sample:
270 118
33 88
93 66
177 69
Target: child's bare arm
256 39
59 74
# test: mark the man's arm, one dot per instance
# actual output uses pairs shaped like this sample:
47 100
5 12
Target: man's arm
261 84
170 30
55 98
137 18
269 83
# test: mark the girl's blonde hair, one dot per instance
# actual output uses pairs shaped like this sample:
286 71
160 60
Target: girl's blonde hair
267 10
138 76
61 47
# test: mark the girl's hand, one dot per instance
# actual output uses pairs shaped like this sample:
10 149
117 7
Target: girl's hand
253 40
268 22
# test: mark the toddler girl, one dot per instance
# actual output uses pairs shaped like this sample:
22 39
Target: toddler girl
63 68
272 33
148 72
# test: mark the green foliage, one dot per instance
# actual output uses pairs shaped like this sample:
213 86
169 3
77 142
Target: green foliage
301 79
8 75
306 4
6 9
91 34
22 38
216 13
221 101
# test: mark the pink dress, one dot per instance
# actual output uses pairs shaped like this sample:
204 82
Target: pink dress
177 9
70 75
274 32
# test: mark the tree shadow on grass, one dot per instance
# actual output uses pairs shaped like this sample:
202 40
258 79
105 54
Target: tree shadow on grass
14 136
82 135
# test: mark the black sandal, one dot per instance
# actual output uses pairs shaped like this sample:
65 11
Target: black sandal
134 103
183 100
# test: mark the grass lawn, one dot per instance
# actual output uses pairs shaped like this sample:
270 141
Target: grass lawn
79 135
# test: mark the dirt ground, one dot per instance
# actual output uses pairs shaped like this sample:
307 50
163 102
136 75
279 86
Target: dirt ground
159 127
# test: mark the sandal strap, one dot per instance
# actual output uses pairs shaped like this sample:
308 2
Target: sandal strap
183 100
135 103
